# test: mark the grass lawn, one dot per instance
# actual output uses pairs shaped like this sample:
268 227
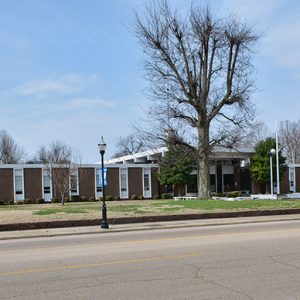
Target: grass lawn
90 210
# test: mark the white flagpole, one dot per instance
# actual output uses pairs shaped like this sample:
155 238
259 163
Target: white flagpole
277 159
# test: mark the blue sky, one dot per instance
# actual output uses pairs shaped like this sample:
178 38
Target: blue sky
72 70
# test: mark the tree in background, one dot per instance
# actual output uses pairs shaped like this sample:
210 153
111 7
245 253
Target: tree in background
175 167
128 145
10 152
199 69
256 133
62 164
289 136
260 163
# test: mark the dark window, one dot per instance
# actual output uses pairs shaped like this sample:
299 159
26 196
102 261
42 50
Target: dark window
228 182
192 186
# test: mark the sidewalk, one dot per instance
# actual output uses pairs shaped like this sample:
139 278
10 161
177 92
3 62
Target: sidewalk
5 235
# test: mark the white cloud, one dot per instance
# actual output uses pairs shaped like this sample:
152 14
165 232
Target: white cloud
67 84
83 102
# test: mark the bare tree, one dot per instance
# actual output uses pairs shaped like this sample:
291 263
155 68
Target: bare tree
62 165
129 145
10 152
199 69
255 134
289 135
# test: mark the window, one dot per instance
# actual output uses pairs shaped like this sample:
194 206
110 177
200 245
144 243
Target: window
18 184
73 183
213 182
146 182
47 185
123 181
192 186
98 185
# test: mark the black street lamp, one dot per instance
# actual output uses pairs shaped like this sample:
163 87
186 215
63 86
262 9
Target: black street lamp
102 148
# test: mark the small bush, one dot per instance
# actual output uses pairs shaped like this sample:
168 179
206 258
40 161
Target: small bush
141 198
75 198
134 197
67 199
55 200
1 202
233 194
166 196
91 199
155 197
109 198
20 202
116 198
100 198
84 199
11 202
39 201
27 201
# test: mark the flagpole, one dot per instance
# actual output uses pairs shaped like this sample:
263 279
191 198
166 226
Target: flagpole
277 159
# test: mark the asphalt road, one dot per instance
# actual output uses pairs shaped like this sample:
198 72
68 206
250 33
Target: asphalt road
250 261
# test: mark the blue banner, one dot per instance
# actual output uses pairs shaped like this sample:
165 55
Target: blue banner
100 177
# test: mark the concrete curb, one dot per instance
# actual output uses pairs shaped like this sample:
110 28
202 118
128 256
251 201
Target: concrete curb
147 219
57 232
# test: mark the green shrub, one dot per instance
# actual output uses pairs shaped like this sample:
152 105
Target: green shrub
84 199
166 196
75 198
55 200
1 202
11 202
116 198
27 201
109 198
100 198
134 197
39 201
141 198
20 202
156 197
233 194
91 199
67 199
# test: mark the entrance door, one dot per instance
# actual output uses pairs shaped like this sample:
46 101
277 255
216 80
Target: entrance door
219 179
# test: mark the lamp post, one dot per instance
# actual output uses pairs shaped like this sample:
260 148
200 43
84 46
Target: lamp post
272 152
102 148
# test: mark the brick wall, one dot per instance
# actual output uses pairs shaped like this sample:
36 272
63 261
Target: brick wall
6 185
33 183
297 171
112 178
155 186
87 182
135 181
285 184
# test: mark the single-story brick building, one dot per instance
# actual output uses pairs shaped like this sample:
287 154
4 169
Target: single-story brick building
135 175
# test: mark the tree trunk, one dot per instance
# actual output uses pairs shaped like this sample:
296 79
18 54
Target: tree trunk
203 164
62 195
203 178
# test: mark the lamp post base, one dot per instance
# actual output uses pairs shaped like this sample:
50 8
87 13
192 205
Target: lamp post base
104 223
